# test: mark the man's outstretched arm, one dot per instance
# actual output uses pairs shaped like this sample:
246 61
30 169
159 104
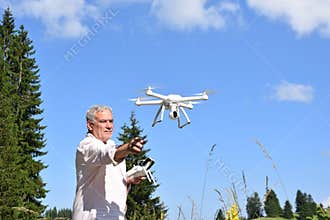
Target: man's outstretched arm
134 146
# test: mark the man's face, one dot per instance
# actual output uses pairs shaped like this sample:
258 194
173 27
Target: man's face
102 127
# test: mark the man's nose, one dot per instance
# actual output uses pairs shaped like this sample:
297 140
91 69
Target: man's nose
108 124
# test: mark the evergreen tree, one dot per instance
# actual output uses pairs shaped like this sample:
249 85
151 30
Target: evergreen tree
66 213
9 175
299 201
31 138
287 210
53 213
254 206
305 206
21 133
312 206
140 203
272 205
321 213
219 215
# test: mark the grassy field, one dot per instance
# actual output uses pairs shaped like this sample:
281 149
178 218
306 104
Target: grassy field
272 218
328 211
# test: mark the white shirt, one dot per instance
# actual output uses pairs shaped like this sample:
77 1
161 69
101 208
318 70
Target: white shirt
101 184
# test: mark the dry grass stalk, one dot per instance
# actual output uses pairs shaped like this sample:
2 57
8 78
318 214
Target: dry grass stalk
274 166
205 178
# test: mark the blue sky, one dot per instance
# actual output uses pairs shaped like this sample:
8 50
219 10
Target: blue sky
267 60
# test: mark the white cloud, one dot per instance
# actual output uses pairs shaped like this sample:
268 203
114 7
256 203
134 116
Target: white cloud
304 16
326 203
5 4
228 6
61 18
189 14
114 2
67 18
293 92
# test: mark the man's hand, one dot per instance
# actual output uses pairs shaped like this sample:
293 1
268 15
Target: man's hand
135 145
135 180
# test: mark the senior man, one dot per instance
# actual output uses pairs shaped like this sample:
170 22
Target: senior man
102 184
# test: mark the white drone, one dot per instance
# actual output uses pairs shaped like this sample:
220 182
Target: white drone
172 102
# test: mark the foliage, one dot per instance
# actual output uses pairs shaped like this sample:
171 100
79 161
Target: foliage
321 213
140 202
299 201
232 213
327 210
254 206
305 206
287 210
272 204
53 213
21 135
219 215
276 218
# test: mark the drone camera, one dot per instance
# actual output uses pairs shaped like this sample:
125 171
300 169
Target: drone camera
174 114
174 111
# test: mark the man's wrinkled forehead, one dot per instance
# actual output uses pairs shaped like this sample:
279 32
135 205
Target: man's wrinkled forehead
104 114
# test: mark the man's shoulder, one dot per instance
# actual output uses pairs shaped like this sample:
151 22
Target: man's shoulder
111 142
91 140
87 140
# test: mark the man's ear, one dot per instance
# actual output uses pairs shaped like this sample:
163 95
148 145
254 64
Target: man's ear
90 125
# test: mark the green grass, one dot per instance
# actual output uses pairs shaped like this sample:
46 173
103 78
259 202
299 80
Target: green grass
328 211
278 218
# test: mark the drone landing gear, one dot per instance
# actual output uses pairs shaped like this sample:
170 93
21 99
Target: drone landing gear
186 116
160 113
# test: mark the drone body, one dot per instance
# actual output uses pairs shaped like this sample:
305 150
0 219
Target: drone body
176 104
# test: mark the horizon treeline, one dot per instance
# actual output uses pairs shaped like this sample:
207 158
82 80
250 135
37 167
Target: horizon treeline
305 207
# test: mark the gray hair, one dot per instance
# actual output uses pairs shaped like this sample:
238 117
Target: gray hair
90 114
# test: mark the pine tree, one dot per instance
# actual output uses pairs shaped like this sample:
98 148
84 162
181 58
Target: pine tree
31 138
67 213
9 174
254 206
219 215
21 133
272 205
321 213
140 203
287 210
305 206
53 213
299 201
302 207
312 206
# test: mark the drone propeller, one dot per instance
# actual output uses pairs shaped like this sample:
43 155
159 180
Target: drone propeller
194 103
140 98
143 90
150 87
191 102
207 92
